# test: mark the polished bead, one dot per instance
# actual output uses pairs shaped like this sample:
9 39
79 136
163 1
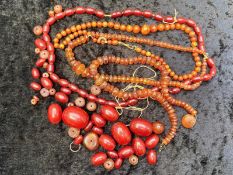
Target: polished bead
121 133
80 102
109 113
78 140
90 141
125 152
89 126
107 142
141 127
44 92
98 120
35 86
152 141
39 43
73 132
57 8
151 157
145 29
54 113
118 162
139 146
61 97
133 160
188 121
46 82
52 91
109 164
37 30
95 90
97 130
40 62
112 154
91 106
75 117
98 158
158 127
65 90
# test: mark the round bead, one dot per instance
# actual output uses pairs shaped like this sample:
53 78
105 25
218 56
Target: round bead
80 102
73 132
91 106
52 91
95 90
91 141
37 30
188 121
44 92
44 54
57 8
54 113
45 74
158 127
121 133
33 101
109 164
133 160
145 29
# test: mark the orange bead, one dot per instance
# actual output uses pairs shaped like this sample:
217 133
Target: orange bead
161 27
158 127
136 29
57 8
129 28
37 30
188 121
145 29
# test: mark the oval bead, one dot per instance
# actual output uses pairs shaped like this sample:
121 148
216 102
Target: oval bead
107 142
98 158
109 113
151 157
121 133
75 117
35 86
152 141
61 97
97 130
89 126
112 154
54 113
125 152
35 73
141 127
46 82
39 43
65 90
118 162
78 140
139 146
98 120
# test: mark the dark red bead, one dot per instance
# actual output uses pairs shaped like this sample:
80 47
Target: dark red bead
61 97
78 140
158 17
213 71
46 83
50 68
169 19
147 14
51 58
191 23
118 162
152 141
207 77
141 127
91 97
35 86
112 154
107 142
128 12
151 157
210 62
121 133
35 73
63 83
65 90
73 87
99 13
125 152
98 120
139 146
197 79
54 77
39 43
90 10
98 158
89 126
46 37
109 113
101 101
54 113
197 30
40 62
97 130
137 13
116 14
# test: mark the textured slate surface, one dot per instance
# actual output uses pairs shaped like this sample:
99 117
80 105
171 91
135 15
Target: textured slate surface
30 145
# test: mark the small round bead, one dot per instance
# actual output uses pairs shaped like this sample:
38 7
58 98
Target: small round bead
91 106
44 92
70 104
158 127
33 101
37 50
57 8
109 164
91 141
44 54
37 30
133 160
188 121
73 132
95 90
45 74
51 13
80 102
52 91
145 29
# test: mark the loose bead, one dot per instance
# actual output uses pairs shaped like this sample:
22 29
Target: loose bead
73 132
90 141
112 154
158 127
97 130
151 157
37 30
61 97
109 164
118 162
98 120
35 73
57 8
121 133
125 152
91 106
188 121
40 62
89 126
139 146
109 113
33 102
141 127
133 160
80 102
44 92
78 140
107 142
98 158
35 86
152 141
95 90
46 82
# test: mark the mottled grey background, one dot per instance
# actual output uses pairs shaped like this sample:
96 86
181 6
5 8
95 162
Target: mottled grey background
30 145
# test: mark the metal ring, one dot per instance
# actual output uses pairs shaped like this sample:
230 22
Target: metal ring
74 151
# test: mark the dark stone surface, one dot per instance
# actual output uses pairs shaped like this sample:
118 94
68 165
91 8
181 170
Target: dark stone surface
30 145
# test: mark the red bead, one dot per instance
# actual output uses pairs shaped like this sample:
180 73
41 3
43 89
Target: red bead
137 13
65 90
121 133
196 79
76 117
116 14
125 152
90 10
92 97
138 146
112 154
89 126
109 113
61 97
51 58
174 90
69 12
169 19
147 14
151 157
201 47
73 87
107 142
152 141
110 103
50 47
50 68
197 30
35 73
82 93
207 77
98 120
35 86
101 101
191 23
46 28
40 62
158 17
51 20
210 62
118 162
98 158
213 71
63 83
54 113
200 39
97 130
181 20
46 83
141 127
39 43
54 77
46 37
128 12
80 10
99 13
60 15
78 140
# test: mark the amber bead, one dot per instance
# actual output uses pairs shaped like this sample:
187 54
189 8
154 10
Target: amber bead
158 127
188 121
145 29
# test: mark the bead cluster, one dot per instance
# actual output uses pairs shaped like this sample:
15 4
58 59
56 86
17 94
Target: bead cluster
141 136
